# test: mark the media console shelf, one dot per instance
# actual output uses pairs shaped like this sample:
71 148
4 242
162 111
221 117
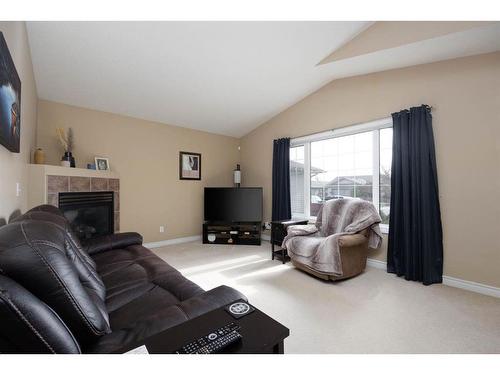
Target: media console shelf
247 233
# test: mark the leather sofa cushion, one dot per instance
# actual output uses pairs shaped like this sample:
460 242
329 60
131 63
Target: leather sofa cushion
29 325
134 271
35 254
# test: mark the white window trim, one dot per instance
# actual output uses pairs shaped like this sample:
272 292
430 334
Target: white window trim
340 132
305 141
307 181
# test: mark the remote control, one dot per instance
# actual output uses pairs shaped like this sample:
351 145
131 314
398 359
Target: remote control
213 342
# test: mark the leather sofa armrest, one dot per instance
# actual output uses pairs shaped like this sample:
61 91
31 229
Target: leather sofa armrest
210 300
112 241
351 240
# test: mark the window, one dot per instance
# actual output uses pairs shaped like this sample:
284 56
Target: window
297 179
385 173
347 162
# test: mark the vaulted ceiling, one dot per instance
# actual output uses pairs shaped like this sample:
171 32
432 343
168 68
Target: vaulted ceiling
228 77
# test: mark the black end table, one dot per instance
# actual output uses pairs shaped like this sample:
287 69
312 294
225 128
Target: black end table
261 334
278 233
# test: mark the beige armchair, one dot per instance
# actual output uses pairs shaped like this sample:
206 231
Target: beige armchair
336 246
353 254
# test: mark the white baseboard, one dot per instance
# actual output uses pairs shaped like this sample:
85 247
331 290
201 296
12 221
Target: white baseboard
173 241
471 286
376 263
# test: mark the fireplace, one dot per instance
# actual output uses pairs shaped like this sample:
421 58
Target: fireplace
90 214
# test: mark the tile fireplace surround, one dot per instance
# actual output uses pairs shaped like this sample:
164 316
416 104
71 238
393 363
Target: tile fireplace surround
47 181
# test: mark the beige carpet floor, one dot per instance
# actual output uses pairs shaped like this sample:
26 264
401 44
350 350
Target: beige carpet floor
375 312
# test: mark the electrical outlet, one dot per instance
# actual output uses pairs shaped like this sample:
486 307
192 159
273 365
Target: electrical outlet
162 229
18 189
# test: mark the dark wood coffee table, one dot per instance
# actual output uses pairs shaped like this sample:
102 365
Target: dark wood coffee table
261 334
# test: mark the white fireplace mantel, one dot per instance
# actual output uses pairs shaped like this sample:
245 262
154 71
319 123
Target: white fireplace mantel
55 170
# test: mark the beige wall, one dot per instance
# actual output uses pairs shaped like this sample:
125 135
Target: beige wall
13 167
146 156
383 35
465 94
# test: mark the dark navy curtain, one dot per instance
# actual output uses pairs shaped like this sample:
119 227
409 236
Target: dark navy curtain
282 207
415 248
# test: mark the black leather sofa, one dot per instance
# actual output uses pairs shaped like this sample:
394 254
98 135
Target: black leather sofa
60 296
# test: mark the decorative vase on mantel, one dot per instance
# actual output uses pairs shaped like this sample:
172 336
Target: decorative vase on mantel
39 156
67 143
68 160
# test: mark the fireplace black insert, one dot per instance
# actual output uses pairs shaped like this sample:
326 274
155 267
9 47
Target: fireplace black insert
89 213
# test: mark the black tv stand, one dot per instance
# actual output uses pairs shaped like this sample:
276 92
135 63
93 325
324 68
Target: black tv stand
242 233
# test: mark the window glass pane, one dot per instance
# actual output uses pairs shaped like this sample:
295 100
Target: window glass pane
297 179
363 142
341 167
385 173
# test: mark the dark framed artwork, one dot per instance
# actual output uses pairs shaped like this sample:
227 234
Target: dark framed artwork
10 100
189 166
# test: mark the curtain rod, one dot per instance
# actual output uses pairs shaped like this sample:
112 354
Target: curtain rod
429 107
360 124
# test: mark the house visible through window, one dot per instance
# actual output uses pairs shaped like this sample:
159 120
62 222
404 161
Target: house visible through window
347 162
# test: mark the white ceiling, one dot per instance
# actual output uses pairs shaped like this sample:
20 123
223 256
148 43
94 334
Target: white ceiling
219 77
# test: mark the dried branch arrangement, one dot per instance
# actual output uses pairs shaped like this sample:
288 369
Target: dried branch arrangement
66 141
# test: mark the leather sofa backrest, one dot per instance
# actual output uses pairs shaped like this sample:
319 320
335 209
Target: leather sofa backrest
40 256
27 325
47 208
83 262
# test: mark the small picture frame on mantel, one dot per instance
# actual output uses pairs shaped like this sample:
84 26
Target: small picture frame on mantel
102 164
189 166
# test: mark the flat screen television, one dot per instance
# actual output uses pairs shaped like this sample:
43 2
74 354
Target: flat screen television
233 205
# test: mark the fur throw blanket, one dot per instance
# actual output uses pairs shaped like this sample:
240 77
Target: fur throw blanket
317 245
